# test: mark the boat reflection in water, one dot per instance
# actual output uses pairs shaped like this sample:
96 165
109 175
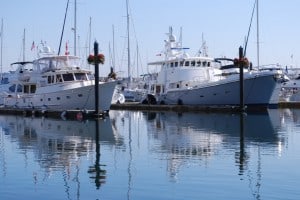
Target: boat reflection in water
199 138
199 152
59 145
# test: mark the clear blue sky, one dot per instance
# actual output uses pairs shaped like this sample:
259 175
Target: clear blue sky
224 24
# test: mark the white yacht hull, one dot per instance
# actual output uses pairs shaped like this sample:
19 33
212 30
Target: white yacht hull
258 90
74 96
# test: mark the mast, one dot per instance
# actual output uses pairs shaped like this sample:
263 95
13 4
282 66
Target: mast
137 59
1 47
257 32
24 45
90 29
75 26
128 43
114 55
63 28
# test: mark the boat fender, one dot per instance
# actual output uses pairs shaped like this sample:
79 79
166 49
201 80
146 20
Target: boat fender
63 115
79 116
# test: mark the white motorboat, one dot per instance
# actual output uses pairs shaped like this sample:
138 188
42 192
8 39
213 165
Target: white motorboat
202 80
56 82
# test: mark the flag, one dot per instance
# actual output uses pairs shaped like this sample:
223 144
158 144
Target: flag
32 46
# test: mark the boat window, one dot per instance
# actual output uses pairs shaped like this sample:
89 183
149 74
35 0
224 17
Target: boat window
33 89
158 89
171 64
198 63
80 76
58 78
19 88
26 88
193 63
68 77
50 79
12 88
176 64
181 63
187 63
204 63
208 64
91 76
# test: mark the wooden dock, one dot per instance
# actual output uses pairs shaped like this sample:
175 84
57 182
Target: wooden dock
90 114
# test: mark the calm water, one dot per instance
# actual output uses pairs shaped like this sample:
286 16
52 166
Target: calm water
140 155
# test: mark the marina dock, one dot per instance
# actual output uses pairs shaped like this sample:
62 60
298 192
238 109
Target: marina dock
90 114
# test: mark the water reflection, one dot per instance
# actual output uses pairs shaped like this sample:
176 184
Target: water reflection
59 145
225 145
189 138
197 134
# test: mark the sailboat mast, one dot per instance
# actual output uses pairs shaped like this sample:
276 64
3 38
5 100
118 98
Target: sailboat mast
128 42
24 44
137 59
63 28
114 55
75 26
1 47
90 30
257 32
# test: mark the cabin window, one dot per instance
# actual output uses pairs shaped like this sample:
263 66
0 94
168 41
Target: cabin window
171 64
50 79
157 89
19 88
80 95
13 88
68 77
181 63
33 89
80 76
58 98
26 88
187 63
58 78
198 63
193 63
91 77
152 88
176 64
208 64
204 63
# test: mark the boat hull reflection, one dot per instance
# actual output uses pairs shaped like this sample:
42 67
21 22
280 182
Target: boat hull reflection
56 142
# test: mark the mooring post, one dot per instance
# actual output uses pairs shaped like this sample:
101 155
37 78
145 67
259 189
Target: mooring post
241 65
96 79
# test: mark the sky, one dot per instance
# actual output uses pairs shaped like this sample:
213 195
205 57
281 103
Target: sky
223 24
